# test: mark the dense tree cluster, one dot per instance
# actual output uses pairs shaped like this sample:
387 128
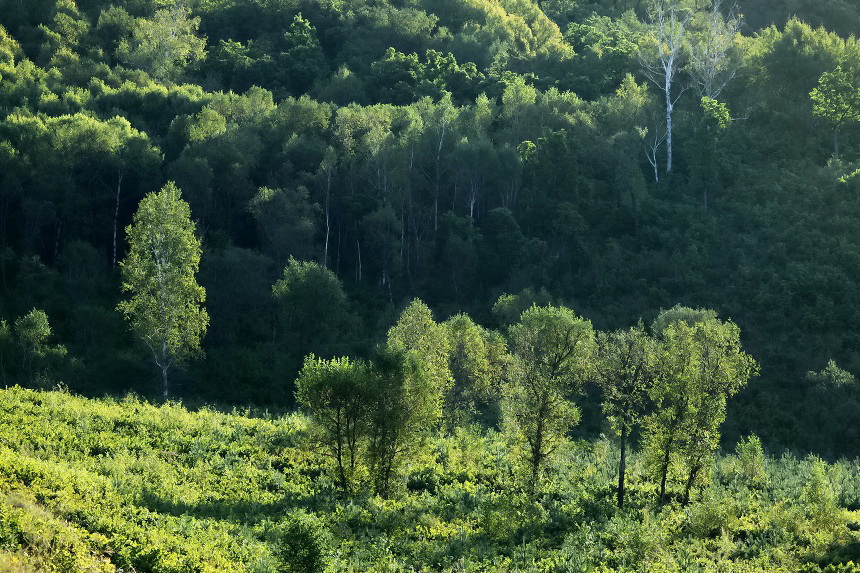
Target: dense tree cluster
341 159
670 385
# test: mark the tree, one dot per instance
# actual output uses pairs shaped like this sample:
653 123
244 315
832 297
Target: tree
418 334
724 368
836 398
836 99
302 61
672 393
553 350
711 64
508 309
402 406
715 120
107 151
313 311
335 394
166 305
700 364
164 44
287 222
661 61
301 543
478 360
33 332
624 369
678 313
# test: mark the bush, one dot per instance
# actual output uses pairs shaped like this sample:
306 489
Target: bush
301 544
751 468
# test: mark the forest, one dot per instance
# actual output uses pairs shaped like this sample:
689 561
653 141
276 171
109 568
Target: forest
429 285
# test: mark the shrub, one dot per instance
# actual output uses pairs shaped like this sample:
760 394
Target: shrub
751 468
301 544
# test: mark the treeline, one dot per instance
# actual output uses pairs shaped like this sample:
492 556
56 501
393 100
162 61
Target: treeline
447 151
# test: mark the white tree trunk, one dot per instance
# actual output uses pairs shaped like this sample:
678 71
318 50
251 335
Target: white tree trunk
116 213
669 22
670 107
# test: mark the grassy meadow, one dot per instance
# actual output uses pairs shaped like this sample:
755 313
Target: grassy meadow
123 485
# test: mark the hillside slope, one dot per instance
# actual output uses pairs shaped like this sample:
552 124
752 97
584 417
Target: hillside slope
104 486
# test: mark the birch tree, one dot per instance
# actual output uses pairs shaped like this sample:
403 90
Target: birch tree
711 65
166 305
661 60
164 44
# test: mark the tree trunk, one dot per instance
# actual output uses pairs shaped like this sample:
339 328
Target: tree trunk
116 214
669 109
622 466
358 248
664 470
694 471
327 220
836 143
164 392
537 449
57 240
339 456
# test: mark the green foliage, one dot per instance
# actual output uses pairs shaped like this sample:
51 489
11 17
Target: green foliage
478 359
314 312
509 307
428 342
625 364
404 406
716 113
402 78
164 44
302 62
751 463
700 365
471 148
678 313
112 485
836 99
38 356
513 163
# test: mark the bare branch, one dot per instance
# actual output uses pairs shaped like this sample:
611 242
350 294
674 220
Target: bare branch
711 66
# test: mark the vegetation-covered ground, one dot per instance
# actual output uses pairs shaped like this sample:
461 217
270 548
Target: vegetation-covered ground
110 485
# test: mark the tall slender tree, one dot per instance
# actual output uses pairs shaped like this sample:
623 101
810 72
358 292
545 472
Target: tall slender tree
661 60
711 64
624 367
166 304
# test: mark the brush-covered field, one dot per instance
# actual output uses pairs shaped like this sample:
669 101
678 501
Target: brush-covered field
104 485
